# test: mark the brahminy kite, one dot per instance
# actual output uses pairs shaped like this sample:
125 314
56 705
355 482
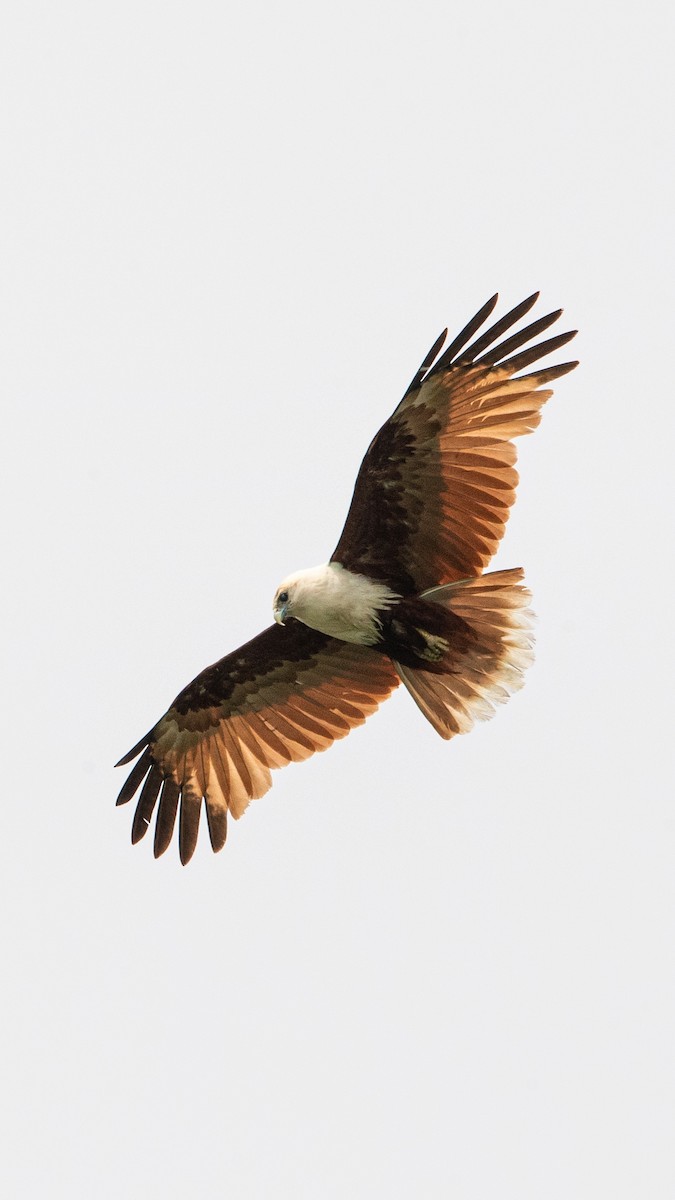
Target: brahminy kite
403 597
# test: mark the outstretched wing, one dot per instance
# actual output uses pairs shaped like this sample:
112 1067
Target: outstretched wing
284 695
434 490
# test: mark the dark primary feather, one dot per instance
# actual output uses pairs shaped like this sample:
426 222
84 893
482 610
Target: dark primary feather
425 364
451 351
497 354
506 322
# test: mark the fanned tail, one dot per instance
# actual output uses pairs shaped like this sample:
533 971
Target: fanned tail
487 668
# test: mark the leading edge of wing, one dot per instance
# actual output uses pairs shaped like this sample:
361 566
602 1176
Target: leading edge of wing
280 698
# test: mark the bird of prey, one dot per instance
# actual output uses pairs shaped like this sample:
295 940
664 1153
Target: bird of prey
402 598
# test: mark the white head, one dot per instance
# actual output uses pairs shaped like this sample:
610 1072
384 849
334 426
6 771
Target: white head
335 601
293 596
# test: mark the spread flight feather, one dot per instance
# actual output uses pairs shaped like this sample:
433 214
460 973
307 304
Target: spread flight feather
403 597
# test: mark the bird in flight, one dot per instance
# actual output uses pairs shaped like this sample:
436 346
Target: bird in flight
403 597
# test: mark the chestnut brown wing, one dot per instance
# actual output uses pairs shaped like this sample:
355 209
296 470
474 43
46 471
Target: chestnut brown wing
436 485
286 694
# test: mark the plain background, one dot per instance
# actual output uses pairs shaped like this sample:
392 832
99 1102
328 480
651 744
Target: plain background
229 234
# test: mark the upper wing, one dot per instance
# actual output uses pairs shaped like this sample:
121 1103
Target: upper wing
285 694
434 490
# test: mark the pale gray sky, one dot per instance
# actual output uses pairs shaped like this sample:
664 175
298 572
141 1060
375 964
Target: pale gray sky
230 233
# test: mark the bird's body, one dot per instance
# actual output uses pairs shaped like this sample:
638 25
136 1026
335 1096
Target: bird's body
353 608
402 599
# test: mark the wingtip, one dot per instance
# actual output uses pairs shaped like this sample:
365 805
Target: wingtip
185 854
568 335
566 367
134 752
139 831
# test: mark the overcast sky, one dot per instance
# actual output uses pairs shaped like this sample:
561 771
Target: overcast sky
230 232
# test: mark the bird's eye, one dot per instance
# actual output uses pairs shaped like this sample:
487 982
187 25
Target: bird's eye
283 596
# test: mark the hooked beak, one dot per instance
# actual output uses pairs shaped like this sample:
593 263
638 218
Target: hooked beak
280 614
